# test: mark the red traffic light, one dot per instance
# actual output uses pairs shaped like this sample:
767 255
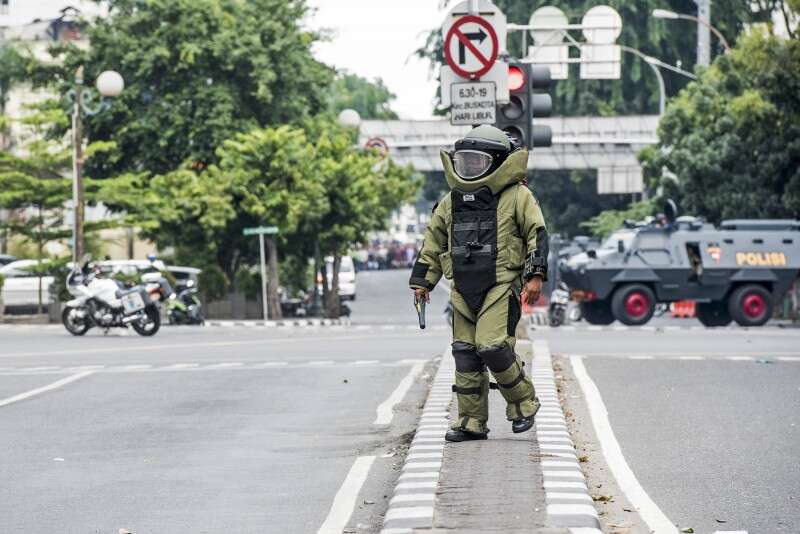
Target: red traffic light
516 78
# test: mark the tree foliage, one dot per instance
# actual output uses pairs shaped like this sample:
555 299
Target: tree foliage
197 72
370 99
729 144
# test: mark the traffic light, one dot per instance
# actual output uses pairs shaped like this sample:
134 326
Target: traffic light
516 117
541 106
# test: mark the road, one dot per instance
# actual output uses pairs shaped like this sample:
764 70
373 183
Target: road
273 429
708 421
212 429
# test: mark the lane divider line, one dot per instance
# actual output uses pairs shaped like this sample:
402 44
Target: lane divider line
628 483
345 500
385 410
414 500
44 389
568 502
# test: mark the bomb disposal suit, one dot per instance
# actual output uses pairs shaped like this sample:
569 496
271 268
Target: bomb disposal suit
487 235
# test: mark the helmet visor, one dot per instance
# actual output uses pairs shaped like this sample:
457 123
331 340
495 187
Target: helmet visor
471 164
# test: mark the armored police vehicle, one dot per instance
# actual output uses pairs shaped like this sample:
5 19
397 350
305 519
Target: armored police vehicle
736 272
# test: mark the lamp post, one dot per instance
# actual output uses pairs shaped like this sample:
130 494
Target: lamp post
703 26
655 64
109 84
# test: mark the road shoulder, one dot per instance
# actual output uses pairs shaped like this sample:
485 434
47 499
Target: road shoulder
617 515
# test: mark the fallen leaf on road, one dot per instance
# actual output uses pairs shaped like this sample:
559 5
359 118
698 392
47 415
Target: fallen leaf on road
368 502
58 459
687 530
344 381
721 520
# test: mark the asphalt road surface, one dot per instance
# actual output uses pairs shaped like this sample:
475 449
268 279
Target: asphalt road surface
708 420
210 430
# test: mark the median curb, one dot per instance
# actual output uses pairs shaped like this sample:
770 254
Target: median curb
569 503
412 503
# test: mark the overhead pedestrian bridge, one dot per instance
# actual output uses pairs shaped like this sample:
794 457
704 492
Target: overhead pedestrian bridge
608 144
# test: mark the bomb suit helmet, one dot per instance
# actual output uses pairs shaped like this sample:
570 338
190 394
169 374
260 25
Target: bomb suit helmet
486 156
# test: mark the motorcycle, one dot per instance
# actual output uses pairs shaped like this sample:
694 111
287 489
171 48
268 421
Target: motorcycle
559 301
185 307
101 302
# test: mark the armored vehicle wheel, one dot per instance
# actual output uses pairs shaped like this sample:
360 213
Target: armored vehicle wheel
633 304
597 312
750 305
713 313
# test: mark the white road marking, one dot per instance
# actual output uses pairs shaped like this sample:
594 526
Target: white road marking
182 366
572 509
365 362
549 484
789 358
267 342
345 499
385 411
691 357
739 358
417 485
321 362
411 512
424 474
637 496
44 389
641 357
413 497
224 365
567 496
730 532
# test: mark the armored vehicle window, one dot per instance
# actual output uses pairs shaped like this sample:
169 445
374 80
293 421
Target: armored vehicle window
611 242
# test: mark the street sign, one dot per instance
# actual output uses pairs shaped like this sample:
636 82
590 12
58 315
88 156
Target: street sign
472 103
471 46
379 144
497 75
259 230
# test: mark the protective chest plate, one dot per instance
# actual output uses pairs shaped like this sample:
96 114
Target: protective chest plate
473 239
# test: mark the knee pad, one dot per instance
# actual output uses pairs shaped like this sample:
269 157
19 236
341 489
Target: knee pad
467 359
497 358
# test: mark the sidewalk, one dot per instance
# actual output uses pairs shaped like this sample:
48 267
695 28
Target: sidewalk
510 483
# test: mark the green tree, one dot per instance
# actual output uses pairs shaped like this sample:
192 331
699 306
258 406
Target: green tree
362 189
197 72
729 144
370 99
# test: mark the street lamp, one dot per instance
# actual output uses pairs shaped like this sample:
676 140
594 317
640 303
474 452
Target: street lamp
655 63
702 59
110 85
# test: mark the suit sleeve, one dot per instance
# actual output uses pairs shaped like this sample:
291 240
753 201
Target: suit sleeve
427 268
531 223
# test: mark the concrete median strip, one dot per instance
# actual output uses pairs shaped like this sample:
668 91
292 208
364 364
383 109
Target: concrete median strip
412 505
569 504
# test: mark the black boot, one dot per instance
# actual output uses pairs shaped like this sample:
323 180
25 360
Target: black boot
463 435
522 424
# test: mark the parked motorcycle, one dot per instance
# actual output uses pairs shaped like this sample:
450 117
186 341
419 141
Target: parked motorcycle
559 301
101 302
185 307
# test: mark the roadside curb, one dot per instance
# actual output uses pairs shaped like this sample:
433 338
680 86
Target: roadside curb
412 503
569 503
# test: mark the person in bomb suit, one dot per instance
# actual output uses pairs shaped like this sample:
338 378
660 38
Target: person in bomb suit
488 236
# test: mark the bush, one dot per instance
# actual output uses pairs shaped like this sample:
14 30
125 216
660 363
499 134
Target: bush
213 283
247 282
2 281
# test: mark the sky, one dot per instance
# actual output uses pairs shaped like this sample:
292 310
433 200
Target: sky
371 38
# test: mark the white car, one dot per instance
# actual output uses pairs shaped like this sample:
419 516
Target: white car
21 288
347 277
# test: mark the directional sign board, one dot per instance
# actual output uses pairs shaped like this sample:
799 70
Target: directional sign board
472 103
471 47
260 230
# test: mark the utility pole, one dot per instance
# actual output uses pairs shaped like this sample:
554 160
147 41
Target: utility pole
77 164
703 32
